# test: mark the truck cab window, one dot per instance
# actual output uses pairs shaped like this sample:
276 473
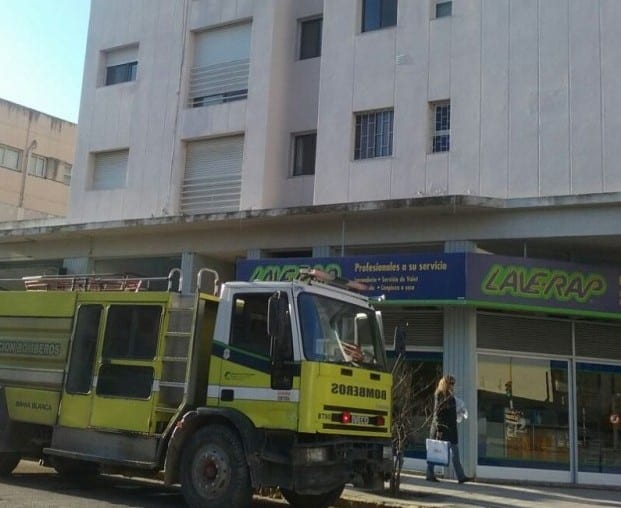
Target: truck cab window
339 332
84 348
249 323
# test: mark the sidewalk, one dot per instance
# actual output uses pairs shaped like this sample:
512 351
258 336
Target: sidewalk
416 492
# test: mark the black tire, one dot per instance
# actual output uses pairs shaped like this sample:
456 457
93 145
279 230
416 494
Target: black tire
312 500
214 471
8 462
73 468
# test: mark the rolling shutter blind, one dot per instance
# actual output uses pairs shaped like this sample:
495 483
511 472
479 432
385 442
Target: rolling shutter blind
598 340
110 170
221 65
121 56
212 181
517 333
425 327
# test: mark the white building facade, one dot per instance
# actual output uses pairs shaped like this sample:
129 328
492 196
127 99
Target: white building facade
283 132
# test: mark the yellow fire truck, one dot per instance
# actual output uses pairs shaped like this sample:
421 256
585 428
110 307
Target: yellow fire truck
243 386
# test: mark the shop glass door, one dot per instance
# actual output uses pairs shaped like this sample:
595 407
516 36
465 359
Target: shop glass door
598 400
523 412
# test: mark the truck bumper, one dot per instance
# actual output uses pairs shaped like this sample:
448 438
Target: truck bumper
319 467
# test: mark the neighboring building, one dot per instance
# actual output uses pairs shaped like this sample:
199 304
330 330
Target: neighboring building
462 157
36 156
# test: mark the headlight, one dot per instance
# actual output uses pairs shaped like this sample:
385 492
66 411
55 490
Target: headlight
305 455
387 452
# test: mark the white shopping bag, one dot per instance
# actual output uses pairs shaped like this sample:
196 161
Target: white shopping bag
438 451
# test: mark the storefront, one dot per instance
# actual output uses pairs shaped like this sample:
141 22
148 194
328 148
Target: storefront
535 346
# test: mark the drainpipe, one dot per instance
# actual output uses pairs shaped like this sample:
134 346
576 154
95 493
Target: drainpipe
24 170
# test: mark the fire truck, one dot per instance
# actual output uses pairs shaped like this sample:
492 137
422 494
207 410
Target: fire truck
232 388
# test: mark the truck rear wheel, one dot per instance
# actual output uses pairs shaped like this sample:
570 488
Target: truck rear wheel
312 500
214 471
8 462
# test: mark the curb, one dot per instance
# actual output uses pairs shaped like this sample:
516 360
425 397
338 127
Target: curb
357 499
352 498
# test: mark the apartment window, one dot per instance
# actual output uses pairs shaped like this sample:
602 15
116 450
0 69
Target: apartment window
67 173
37 166
378 14
304 148
9 157
121 65
221 65
443 9
310 38
441 139
373 134
110 170
212 180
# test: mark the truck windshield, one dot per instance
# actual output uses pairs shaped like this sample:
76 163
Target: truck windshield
340 332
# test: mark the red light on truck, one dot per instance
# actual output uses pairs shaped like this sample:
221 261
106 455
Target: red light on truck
380 421
345 417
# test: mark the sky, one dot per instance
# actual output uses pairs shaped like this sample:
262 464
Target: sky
42 47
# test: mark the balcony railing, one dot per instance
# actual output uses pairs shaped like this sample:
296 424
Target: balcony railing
215 84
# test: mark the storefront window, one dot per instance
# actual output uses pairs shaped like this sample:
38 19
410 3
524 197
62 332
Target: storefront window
523 412
599 413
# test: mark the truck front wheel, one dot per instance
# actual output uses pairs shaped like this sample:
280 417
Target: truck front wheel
8 462
312 500
214 471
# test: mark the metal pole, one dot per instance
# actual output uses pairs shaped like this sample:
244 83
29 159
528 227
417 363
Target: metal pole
24 170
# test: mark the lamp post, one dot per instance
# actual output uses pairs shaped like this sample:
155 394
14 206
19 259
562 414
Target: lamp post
24 169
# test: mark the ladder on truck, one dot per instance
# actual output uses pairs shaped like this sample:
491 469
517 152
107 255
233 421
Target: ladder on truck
177 352
177 346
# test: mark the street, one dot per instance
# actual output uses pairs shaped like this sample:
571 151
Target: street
33 486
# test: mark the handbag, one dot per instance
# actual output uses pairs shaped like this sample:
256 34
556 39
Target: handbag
437 451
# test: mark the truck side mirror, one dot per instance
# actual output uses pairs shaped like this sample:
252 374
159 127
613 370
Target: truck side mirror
278 327
400 339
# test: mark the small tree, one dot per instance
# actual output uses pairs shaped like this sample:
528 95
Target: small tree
402 418
412 402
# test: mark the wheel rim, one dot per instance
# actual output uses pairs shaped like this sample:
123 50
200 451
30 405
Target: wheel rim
211 472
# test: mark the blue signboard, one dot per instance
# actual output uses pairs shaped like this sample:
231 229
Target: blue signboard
472 278
398 277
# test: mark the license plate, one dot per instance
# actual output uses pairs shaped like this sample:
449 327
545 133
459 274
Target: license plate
360 420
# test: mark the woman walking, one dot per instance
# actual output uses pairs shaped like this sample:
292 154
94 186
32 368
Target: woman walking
444 426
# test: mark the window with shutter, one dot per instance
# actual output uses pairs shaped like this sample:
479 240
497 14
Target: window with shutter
221 65
121 65
212 181
110 170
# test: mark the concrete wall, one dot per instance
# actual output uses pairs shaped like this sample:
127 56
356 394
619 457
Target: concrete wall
34 196
534 99
533 88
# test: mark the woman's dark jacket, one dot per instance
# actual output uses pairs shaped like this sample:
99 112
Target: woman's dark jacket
444 422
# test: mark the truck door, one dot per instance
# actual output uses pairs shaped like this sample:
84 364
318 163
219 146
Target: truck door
125 376
110 380
75 408
245 382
